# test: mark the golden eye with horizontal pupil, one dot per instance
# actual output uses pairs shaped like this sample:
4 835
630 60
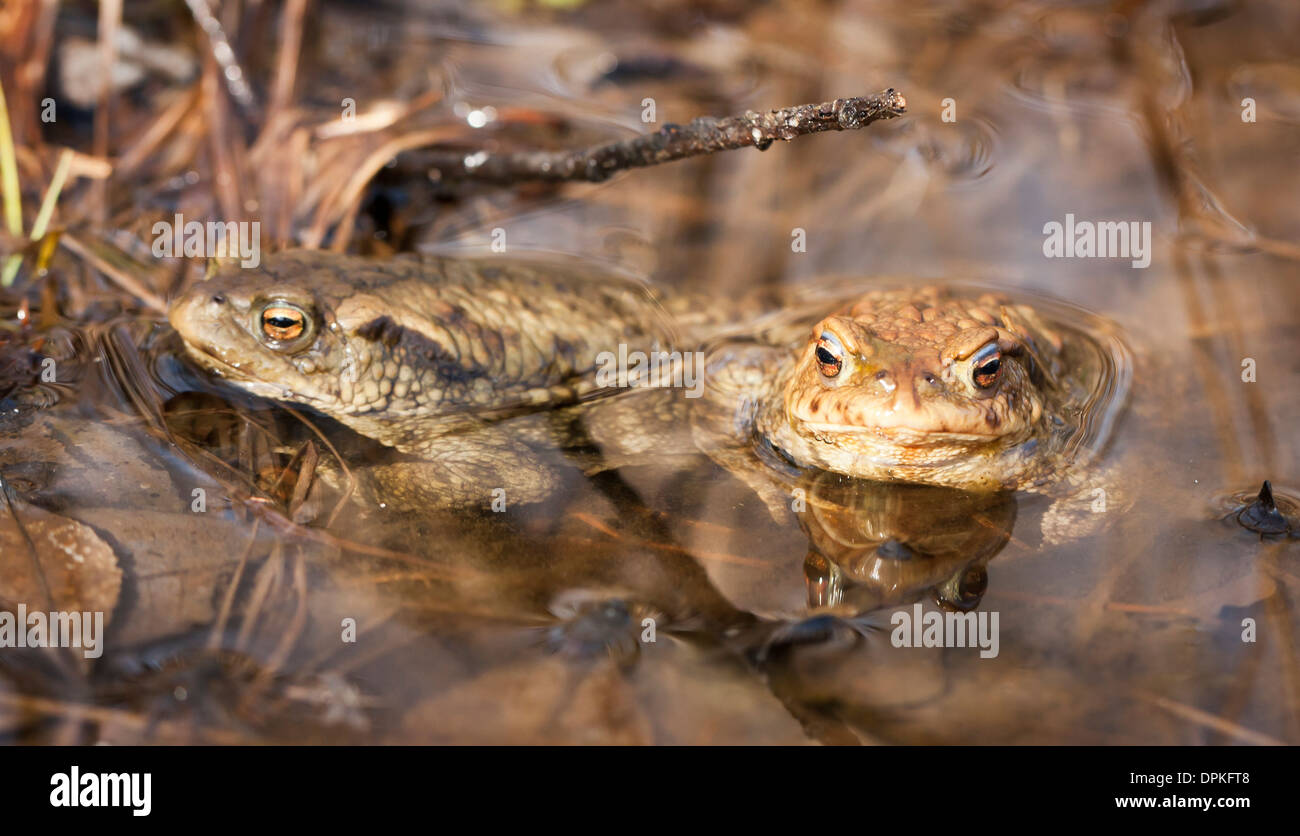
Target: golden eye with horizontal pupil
986 366
283 323
830 354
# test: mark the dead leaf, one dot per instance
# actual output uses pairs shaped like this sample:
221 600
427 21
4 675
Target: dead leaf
52 563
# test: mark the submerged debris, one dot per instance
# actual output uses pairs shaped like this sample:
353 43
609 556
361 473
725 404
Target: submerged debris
1262 515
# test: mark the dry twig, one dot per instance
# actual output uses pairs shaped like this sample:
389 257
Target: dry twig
705 135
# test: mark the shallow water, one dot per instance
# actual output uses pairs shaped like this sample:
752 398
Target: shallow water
230 624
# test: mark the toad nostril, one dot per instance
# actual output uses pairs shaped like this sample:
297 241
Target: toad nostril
218 299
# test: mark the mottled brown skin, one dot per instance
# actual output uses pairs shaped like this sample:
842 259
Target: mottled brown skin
430 356
425 355
904 404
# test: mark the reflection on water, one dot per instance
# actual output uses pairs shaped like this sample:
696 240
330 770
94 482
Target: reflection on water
966 149
874 545
669 599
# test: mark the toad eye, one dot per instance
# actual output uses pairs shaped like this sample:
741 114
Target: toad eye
986 366
829 354
283 322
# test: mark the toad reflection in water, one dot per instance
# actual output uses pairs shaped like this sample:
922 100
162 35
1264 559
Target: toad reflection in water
873 545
